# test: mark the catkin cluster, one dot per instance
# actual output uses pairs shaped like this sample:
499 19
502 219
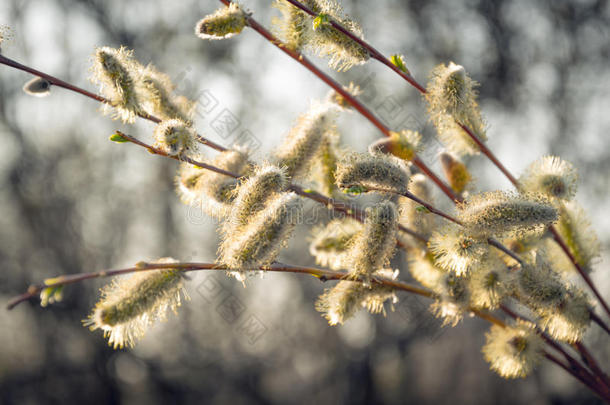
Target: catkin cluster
460 262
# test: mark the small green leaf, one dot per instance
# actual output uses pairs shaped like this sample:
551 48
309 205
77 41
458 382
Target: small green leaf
399 61
117 137
355 190
308 190
421 208
322 18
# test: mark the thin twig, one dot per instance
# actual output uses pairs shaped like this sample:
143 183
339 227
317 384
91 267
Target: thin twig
358 106
375 54
313 195
323 274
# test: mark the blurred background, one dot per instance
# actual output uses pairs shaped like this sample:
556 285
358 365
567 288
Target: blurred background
71 201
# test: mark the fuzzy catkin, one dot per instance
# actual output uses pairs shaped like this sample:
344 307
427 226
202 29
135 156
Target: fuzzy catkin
576 230
552 176
253 194
451 98
117 74
362 171
129 305
261 239
568 321
453 298
410 214
223 23
297 29
213 192
455 250
175 137
373 248
340 303
330 244
499 213
303 142
490 283
513 351
156 90
325 165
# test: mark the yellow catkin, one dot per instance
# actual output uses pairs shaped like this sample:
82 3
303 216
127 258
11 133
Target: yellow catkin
224 23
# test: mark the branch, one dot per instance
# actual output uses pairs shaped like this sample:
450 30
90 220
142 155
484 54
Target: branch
346 209
375 54
358 106
322 274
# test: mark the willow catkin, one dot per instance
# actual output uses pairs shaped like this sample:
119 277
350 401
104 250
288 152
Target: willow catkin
259 242
551 176
411 215
569 319
490 283
452 99
117 73
175 137
297 151
301 32
331 244
513 351
373 248
130 305
576 230
359 172
500 213
252 195
455 250
344 300
453 298
213 192
223 23
294 26
156 90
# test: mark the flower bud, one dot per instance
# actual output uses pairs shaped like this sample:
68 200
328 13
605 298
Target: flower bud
404 145
37 87
456 172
